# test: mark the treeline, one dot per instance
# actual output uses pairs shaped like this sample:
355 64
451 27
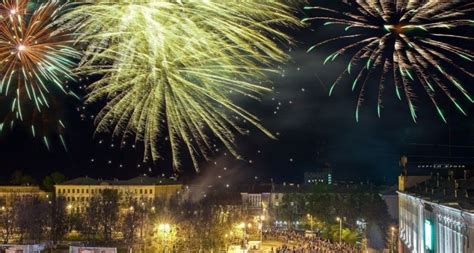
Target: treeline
358 209
108 220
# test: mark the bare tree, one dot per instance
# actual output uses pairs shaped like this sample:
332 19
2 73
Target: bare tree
131 221
59 219
109 212
91 218
7 218
32 216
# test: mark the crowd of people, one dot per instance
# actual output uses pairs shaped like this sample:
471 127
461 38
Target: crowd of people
294 242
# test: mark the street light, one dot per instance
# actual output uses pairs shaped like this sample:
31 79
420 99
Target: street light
310 217
392 232
164 229
262 218
340 229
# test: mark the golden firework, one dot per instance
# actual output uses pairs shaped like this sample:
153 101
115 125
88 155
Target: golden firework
170 68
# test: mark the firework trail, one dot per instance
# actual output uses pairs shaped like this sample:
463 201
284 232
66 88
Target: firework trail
407 41
171 69
36 60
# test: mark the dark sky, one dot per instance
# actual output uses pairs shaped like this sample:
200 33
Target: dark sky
312 128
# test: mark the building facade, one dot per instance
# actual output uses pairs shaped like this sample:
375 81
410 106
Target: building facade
322 176
10 193
78 192
431 227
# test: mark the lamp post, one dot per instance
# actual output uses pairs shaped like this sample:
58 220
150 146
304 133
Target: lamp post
310 218
261 219
340 229
392 232
164 229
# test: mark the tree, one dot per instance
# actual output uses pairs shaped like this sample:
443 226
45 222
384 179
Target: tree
7 218
53 179
58 219
91 218
109 212
32 215
131 221
19 178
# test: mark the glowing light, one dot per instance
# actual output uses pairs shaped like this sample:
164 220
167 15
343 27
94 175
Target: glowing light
173 70
21 47
413 49
164 228
36 56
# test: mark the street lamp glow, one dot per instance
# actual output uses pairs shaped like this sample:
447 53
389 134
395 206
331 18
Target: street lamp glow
340 229
241 225
164 227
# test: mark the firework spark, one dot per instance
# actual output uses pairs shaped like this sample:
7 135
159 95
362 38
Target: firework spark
410 41
170 68
36 59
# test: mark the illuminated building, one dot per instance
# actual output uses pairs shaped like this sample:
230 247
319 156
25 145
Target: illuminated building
321 176
437 215
8 193
79 191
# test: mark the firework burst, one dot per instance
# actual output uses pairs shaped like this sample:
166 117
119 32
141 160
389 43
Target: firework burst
413 42
171 68
36 59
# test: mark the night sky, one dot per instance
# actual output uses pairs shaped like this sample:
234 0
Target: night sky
312 129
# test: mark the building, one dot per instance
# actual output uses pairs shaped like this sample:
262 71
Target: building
437 214
9 193
79 191
390 197
321 176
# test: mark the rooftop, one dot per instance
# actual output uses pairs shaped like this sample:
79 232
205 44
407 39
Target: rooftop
450 190
140 180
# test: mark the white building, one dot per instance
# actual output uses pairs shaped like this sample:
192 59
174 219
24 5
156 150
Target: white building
437 217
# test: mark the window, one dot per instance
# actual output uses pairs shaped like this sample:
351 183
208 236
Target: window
141 191
146 191
73 190
87 191
68 190
82 191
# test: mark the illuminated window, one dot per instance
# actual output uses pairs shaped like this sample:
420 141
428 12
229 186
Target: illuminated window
428 235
